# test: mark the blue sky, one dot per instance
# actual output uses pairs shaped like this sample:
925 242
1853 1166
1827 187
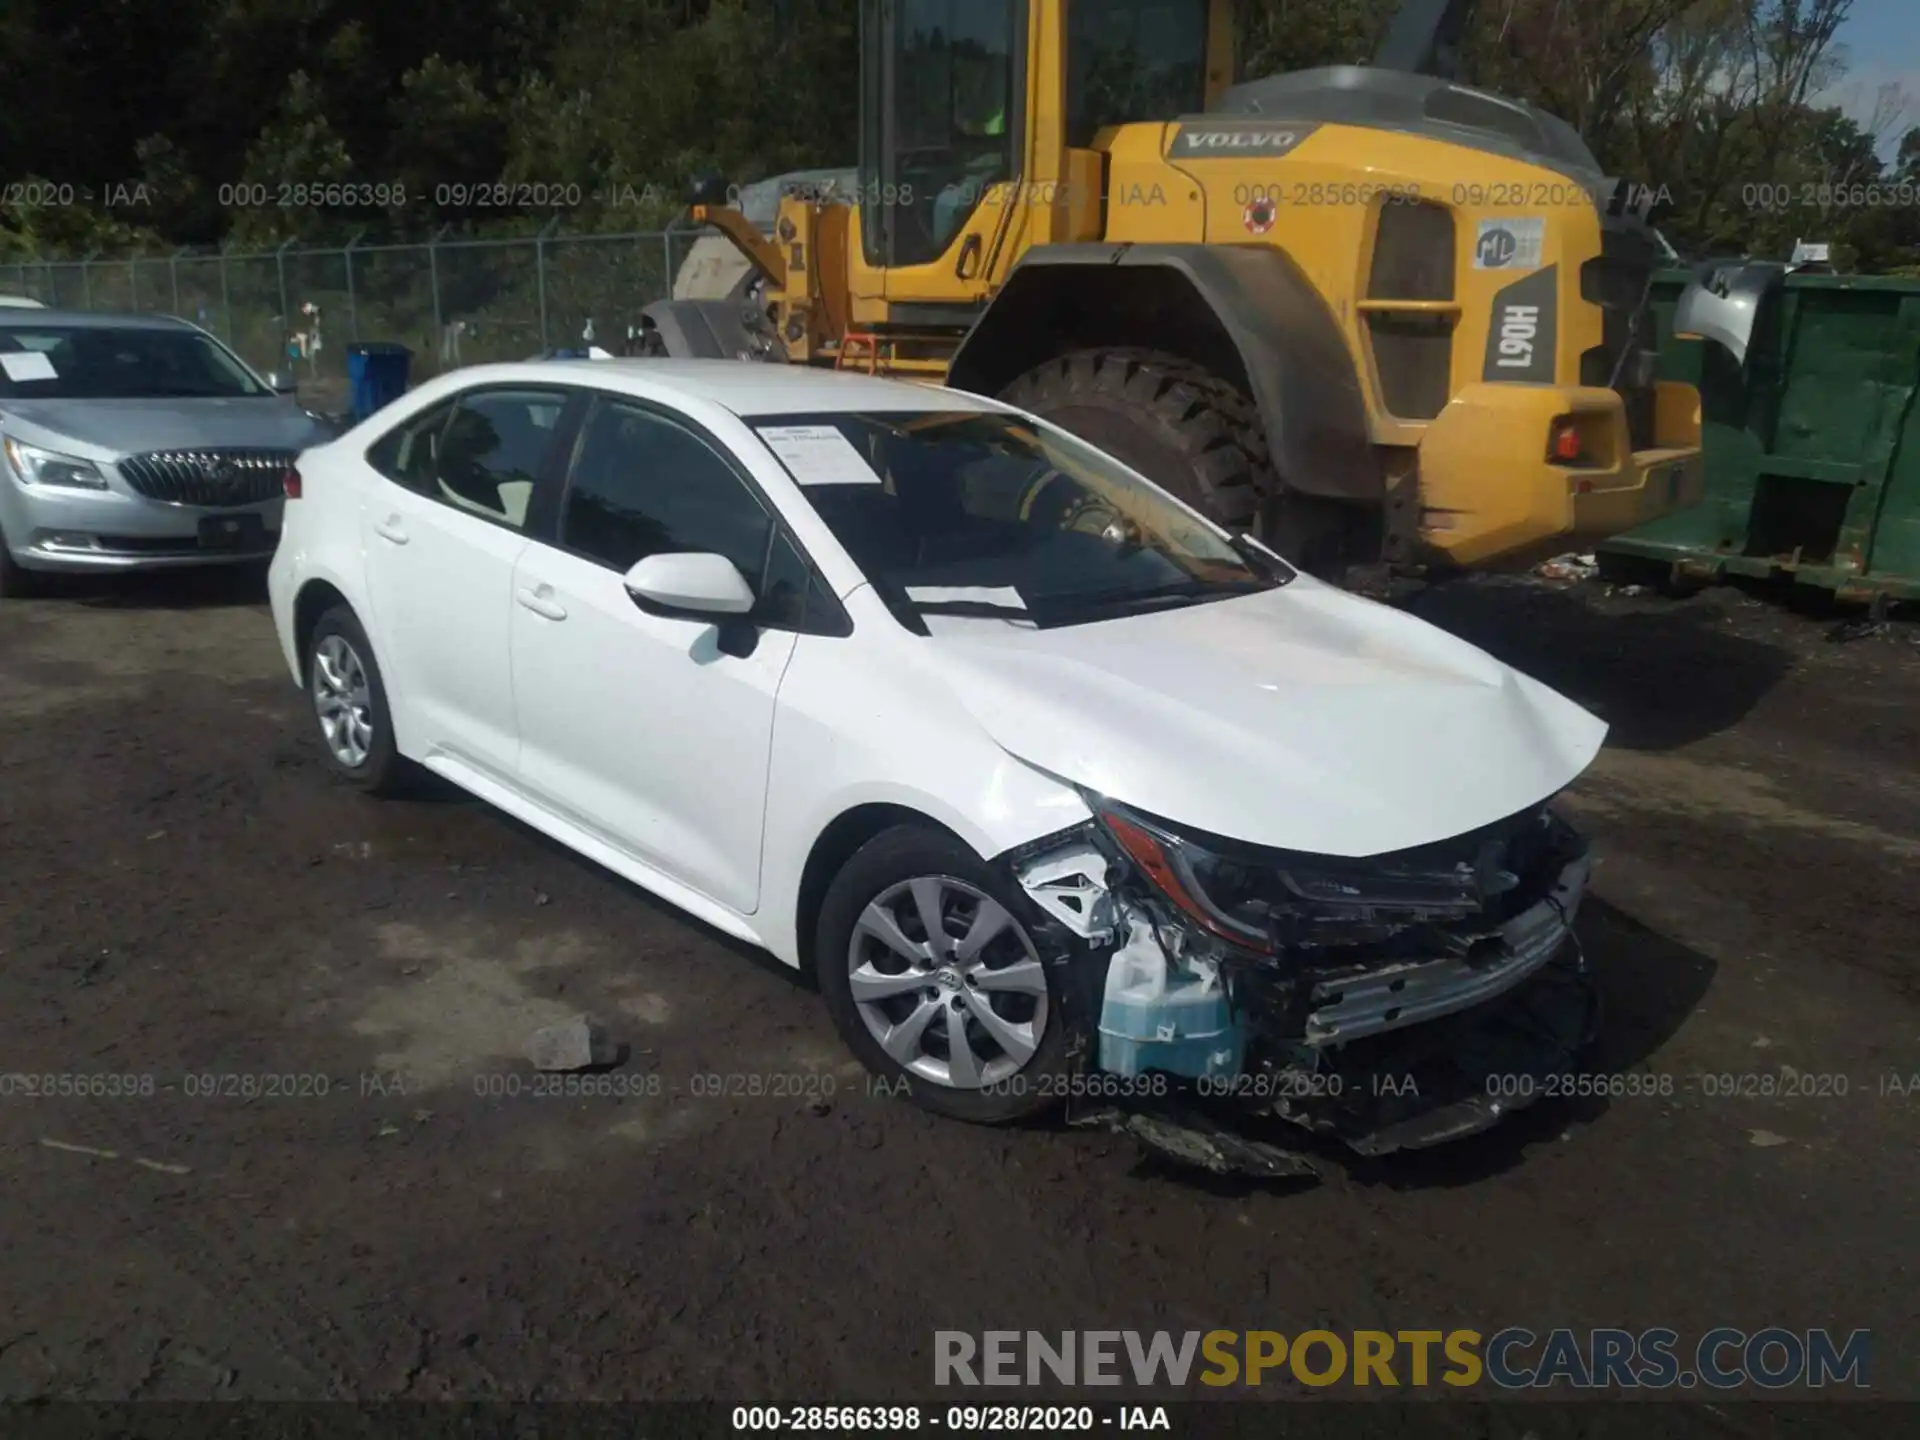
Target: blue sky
1881 41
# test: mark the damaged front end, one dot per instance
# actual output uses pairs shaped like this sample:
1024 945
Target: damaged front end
1387 1003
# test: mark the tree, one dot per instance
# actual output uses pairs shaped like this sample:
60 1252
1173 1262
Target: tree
617 104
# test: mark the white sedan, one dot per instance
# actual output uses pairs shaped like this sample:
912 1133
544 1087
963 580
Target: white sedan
1058 788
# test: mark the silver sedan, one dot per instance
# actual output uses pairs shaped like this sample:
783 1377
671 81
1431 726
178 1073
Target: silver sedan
135 442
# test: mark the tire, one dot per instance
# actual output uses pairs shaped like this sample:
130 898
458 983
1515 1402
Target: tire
337 649
1192 433
884 874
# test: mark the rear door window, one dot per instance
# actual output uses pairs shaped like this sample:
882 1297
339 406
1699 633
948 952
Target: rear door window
481 453
492 451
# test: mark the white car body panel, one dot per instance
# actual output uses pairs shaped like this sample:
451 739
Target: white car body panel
517 802
663 750
1304 718
863 728
436 577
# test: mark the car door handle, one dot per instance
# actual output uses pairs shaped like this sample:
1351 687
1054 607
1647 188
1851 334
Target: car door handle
541 604
390 530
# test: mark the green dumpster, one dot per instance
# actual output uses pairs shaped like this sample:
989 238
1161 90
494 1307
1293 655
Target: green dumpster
1812 454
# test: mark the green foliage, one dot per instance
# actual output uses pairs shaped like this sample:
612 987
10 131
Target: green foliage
297 150
1280 35
607 108
1713 105
638 103
56 227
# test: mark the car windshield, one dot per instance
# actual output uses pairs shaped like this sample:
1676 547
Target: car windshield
962 512
102 362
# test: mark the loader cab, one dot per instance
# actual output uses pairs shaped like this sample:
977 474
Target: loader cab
959 96
942 116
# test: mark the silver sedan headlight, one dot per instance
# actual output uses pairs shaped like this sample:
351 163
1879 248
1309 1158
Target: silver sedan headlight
32 465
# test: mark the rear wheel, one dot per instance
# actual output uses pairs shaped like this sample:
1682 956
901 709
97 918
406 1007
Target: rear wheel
349 701
1196 435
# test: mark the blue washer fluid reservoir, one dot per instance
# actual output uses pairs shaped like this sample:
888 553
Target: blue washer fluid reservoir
1163 1013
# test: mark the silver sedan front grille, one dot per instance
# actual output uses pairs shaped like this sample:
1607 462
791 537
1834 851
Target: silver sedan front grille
212 479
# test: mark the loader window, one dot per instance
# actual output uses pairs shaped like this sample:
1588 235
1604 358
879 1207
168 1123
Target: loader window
1132 60
954 105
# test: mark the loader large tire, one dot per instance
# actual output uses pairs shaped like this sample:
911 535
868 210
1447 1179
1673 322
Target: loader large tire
1194 434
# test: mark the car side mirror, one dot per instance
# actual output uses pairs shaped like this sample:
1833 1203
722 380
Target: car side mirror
693 587
282 382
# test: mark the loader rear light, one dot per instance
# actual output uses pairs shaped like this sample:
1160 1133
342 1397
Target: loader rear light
1564 445
290 483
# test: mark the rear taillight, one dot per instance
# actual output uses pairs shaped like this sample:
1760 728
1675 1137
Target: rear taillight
1564 446
290 483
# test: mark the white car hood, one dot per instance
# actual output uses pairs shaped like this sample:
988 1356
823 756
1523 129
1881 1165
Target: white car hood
1303 718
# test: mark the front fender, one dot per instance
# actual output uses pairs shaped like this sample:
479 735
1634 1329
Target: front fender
1246 312
843 739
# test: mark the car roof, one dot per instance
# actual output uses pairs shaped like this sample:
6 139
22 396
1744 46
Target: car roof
27 318
754 388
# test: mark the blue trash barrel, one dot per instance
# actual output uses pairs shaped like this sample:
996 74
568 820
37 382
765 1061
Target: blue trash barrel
377 374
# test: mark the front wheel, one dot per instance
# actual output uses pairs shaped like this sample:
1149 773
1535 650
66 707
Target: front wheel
935 984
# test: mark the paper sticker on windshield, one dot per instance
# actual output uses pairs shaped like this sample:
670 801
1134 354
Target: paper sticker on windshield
28 365
999 597
819 455
1509 244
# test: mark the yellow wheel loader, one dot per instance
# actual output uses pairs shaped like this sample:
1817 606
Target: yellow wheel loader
1369 313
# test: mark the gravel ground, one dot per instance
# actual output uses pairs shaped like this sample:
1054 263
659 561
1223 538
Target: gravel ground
189 897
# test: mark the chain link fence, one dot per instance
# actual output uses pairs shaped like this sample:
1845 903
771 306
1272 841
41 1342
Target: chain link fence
451 302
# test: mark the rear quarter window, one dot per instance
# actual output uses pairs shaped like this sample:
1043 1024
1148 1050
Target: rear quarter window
407 454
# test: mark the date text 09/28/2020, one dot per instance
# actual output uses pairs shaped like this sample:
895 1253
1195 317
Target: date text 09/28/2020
953 1419
1783 1084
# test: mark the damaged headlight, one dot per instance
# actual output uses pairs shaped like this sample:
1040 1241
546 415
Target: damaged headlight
1272 901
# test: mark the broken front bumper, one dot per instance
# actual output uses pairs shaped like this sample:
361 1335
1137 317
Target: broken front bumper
1376 1056
1465 1074
1347 1008
1416 1088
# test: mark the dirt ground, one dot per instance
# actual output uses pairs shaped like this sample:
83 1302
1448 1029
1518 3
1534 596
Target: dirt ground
189 897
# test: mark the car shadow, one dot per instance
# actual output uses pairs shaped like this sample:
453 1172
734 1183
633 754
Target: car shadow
1661 678
201 587
1648 986
433 790
423 787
